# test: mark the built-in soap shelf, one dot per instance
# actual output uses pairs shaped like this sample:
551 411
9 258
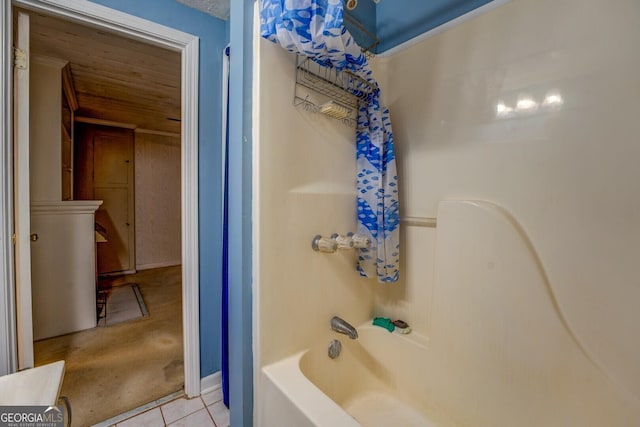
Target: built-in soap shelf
340 241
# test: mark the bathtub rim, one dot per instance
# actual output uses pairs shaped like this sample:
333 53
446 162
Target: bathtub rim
319 408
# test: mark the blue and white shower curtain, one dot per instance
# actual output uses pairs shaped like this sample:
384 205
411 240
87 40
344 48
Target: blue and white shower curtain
315 28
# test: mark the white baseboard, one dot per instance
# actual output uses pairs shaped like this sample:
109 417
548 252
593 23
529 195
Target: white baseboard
158 265
211 382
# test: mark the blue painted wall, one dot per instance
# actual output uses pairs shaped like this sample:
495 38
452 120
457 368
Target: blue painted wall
214 36
399 21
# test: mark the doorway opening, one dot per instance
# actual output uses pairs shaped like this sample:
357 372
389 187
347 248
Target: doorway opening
183 47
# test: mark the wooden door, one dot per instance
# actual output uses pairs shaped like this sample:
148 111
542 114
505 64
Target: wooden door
22 213
113 184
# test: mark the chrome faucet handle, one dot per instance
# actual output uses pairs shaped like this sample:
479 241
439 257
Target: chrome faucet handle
324 244
344 242
359 240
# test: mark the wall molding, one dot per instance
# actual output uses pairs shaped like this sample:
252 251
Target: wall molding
211 382
107 19
136 129
65 208
158 265
102 122
156 132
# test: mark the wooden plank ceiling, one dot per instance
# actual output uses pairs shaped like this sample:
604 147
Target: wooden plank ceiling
116 78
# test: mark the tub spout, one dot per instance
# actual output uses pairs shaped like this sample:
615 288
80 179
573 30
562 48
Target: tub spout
342 326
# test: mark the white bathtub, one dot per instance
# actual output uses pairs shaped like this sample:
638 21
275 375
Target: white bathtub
500 351
366 385
387 379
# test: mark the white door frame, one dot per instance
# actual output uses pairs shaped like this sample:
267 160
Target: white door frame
118 22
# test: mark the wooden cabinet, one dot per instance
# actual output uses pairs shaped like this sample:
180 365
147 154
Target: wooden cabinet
63 246
63 268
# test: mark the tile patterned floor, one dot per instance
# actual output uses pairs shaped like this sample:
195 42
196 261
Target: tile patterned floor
207 410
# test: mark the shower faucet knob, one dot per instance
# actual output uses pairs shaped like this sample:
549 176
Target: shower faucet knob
324 244
344 242
359 240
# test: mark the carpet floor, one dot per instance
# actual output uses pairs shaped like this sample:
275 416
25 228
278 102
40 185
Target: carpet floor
113 369
122 304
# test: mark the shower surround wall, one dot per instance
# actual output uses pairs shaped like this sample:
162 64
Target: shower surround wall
567 170
304 184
